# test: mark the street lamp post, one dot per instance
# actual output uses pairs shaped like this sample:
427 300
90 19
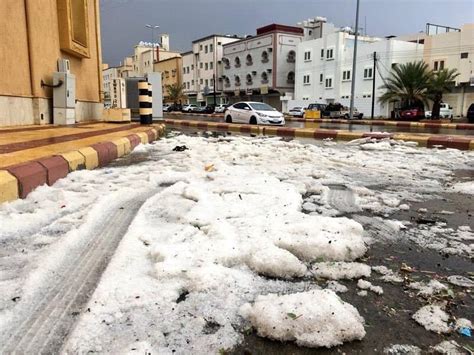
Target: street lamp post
152 27
354 63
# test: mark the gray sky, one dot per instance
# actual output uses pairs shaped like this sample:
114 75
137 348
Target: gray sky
185 20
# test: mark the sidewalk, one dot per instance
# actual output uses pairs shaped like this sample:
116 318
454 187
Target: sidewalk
31 156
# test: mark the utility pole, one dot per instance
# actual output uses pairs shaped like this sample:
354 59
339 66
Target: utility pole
373 85
214 82
354 62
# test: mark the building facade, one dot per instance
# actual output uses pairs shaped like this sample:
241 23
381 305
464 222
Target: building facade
202 70
34 36
262 67
324 69
171 74
448 48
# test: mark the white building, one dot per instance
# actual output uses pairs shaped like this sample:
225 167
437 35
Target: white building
324 69
262 67
202 66
450 48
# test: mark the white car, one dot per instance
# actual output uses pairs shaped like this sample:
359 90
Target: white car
445 111
220 108
253 113
297 111
189 108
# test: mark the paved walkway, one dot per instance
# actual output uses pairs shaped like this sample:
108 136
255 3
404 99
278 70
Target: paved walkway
31 156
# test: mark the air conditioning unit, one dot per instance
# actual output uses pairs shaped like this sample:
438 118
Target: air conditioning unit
270 50
254 73
64 66
269 71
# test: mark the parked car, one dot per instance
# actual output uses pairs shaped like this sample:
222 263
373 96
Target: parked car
297 111
166 108
188 108
337 110
412 114
203 109
317 107
254 113
220 108
445 111
470 114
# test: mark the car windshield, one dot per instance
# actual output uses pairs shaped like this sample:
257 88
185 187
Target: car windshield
261 107
296 108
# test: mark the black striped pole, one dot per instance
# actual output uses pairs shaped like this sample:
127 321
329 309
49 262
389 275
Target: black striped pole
144 102
150 100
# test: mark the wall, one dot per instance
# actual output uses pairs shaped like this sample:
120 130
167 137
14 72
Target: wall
29 50
171 70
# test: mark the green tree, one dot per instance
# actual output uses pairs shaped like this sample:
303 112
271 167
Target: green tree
175 93
408 83
440 82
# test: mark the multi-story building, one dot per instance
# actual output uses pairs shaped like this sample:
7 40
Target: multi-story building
171 74
450 48
324 69
262 67
202 68
34 36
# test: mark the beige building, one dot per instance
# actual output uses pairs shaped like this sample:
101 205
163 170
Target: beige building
448 48
171 74
33 36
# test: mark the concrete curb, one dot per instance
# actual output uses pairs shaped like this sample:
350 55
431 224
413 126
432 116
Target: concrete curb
428 141
18 181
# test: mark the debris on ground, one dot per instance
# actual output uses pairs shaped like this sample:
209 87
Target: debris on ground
341 270
336 287
460 281
433 318
325 323
402 349
448 347
367 285
180 148
428 289
388 275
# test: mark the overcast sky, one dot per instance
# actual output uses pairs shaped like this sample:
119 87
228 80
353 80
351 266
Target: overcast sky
123 21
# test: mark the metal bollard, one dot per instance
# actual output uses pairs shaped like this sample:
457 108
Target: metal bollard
144 102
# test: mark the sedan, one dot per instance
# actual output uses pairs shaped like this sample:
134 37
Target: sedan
297 112
254 113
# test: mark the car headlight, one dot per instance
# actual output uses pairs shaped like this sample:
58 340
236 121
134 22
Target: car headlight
262 114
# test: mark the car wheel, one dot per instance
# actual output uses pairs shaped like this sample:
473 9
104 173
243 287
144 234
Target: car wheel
346 116
253 120
228 119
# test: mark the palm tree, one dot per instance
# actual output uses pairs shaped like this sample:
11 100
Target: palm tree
441 82
175 93
407 83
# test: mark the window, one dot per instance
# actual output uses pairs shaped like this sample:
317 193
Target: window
321 77
206 49
212 82
368 73
249 59
306 79
74 27
328 83
310 32
211 65
249 79
237 80
330 54
240 106
200 65
192 66
200 47
464 55
219 43
264 57
207 66
307 56
438 65
201 81
290 78
207 82
211 48
184 70
264 77
346 75
237 62
291 57
322 53
192 82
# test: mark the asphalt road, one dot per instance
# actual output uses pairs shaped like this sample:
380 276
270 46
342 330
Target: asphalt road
347 127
